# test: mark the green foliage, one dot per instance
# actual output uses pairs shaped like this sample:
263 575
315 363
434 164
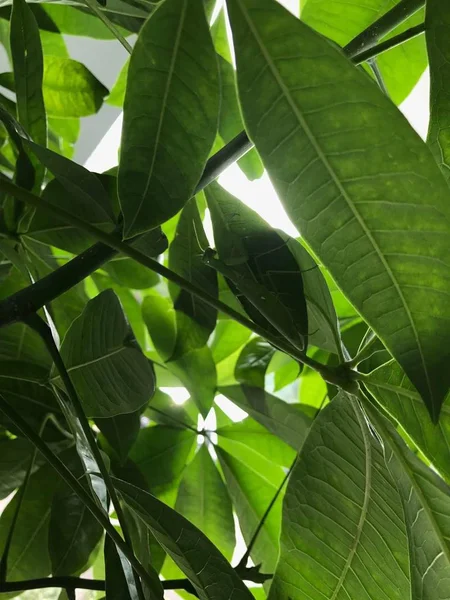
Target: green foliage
190 383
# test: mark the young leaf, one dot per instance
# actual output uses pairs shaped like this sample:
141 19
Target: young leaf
117 94
437 26
195 319
204 500
73 531
28 75
357 181
162 158
107 367
286 421
343 531
400 67
396 394
70 89
159 317
208 571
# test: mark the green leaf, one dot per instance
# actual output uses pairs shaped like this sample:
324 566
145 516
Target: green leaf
285 369
87 199
253 361
107 367
120 579
159 317
195 318
286 421
396 394
70 89
437 26
163 410
74 533
400 67
197 371
28 555
28 75
208 571
24 386
72 20
356 180
162 157
229 336
343 532
121 432
204 500
117 95
426 504
131 274
252 492
15 457
161 453
19 342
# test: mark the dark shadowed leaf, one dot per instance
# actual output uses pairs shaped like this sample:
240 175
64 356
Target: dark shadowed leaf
343 527
121 432
253 361
74 533
162 156
195 319
28 556
356 180
438 45
204 500
286 421
28 75
209 572
107 367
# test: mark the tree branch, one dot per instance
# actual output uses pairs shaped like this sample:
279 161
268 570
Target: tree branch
383 26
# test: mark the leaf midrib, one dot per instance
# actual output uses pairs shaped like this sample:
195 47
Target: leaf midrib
338 184
170 73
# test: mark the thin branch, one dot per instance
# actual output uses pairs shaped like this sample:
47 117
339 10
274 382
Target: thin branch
243 562
81 583
383 26
37 295
392 42
75 485
43 330
92 4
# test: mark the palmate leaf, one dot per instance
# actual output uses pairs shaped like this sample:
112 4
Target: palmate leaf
209 572
355 179
107 367
165 147
401 67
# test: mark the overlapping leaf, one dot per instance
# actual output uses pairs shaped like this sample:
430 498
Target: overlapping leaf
166 145
355 179
107 367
